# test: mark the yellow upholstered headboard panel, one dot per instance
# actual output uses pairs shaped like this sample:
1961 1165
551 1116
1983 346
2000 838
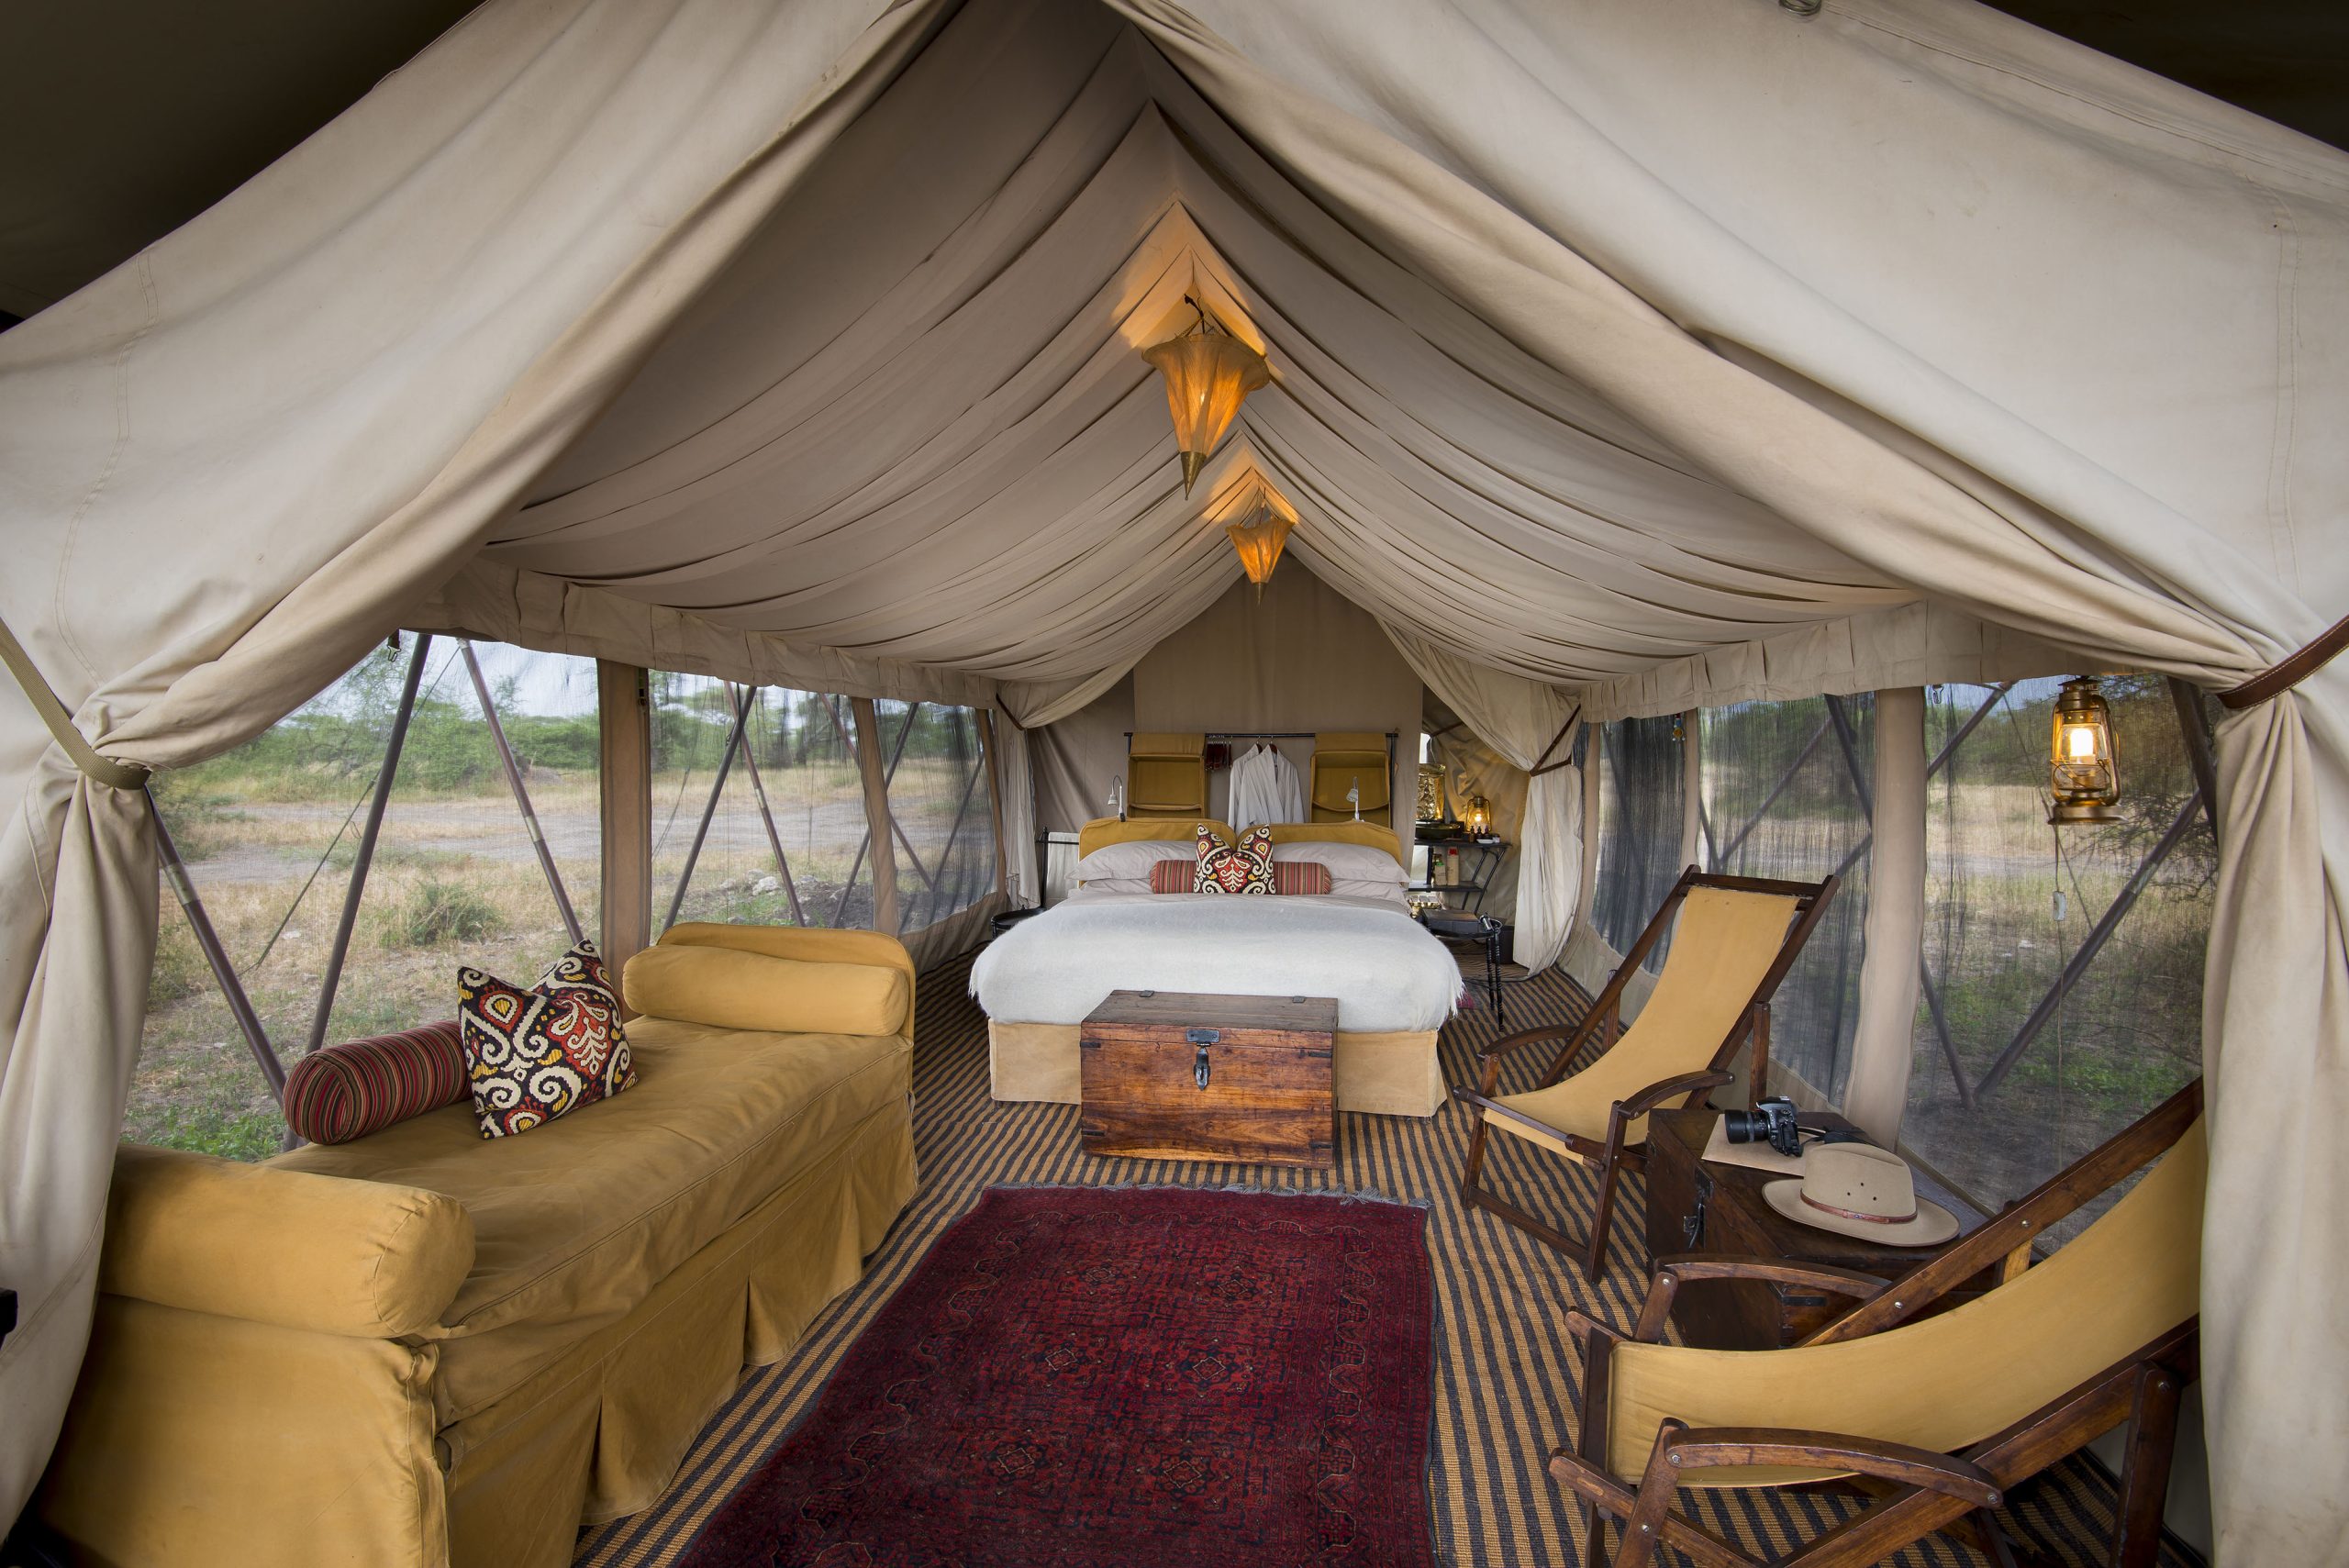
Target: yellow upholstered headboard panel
1340 760
1166 776
1369 833
1110 830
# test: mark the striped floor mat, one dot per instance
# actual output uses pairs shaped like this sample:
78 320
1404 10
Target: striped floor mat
1506 1371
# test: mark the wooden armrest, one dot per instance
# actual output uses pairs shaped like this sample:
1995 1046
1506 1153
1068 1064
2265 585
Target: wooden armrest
1654 1094
1674 1271
1706 1447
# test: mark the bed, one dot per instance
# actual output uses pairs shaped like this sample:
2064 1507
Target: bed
1394 984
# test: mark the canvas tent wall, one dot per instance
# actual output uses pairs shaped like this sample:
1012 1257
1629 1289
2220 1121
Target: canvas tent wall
1660 353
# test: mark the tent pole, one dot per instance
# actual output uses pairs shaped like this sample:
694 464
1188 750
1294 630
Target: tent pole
208 940
962 811
2195 729
886 915
367 837
856 754
1780 788
896 755
995 800
774 839
2092 944
521 795
717 788
624 804
1940 757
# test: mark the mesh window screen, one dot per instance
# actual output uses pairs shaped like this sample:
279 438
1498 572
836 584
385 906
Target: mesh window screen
792 786
945 817
2014 1076
270 833
1640 789
1784 798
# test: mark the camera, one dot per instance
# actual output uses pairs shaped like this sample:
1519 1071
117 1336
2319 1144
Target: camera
1772 1119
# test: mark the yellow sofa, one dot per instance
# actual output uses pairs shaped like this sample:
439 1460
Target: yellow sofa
423 1348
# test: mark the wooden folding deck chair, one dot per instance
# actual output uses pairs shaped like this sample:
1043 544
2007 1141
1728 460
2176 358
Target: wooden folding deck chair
1737 937
1934 1418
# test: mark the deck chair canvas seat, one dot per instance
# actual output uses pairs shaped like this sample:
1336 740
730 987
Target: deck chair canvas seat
1985 1393
1735 940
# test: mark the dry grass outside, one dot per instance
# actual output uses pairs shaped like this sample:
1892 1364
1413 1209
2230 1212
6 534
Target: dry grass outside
455 881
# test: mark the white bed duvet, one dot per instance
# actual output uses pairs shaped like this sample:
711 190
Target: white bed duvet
1388 973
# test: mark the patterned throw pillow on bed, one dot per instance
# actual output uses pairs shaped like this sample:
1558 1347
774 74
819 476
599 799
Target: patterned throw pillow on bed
1289 877
536 1054
1244 867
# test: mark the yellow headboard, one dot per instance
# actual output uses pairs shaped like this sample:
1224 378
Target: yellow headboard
1369 833
1104 830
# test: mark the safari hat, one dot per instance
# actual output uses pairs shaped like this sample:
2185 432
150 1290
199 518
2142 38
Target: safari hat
1855 1189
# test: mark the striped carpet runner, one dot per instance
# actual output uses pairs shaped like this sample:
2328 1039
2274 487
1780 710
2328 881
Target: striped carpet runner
1505 1372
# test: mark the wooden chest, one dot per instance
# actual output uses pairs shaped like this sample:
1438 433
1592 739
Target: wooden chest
1179 1075
1697 1207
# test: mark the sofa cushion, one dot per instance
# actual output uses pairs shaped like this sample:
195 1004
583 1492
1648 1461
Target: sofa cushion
363 1085
575 1224
733 989
545 1052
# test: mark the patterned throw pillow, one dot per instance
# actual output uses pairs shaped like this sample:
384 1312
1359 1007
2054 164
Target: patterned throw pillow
1290 877
1244 867
536 1054
351 1090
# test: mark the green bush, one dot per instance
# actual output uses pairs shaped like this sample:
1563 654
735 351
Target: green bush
435 913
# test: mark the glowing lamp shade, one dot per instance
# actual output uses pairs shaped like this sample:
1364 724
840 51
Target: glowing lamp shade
1259 536
1479 820
1209 375
2083 769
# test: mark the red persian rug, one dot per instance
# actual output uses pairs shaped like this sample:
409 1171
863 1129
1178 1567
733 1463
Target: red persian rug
1087 1378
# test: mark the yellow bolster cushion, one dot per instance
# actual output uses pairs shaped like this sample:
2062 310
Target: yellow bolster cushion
730 988
293 1248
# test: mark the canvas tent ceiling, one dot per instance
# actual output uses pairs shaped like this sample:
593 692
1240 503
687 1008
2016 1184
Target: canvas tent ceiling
1681 354
120 121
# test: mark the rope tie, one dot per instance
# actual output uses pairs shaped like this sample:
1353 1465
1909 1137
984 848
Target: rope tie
102 770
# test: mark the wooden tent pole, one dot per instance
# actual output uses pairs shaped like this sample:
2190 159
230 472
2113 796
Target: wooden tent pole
994 798
624 779
878 824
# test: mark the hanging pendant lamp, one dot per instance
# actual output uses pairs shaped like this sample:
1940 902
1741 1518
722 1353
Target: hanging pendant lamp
1208 374
1260 535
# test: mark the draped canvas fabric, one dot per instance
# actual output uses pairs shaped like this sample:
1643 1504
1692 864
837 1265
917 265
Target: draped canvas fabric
1526 722
1671 350
229 465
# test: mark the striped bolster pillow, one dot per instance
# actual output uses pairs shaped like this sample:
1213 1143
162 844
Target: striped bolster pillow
348 1091
1306 878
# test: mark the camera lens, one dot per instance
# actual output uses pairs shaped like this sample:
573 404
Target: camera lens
1744 1127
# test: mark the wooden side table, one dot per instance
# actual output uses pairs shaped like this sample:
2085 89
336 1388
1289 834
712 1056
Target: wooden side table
1697 1207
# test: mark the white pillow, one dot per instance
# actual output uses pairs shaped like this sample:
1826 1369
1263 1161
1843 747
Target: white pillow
1392 892
1349 863
1131 862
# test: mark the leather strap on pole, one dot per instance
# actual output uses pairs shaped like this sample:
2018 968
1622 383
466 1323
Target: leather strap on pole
2287 674
102 770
